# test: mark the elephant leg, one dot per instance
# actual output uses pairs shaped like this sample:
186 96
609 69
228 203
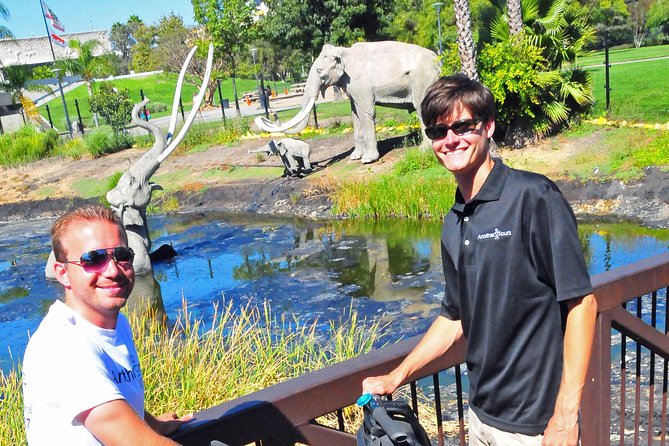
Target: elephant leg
371 152
358 134
306 162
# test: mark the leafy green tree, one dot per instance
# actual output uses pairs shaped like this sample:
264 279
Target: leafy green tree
230 26
5 33
308 25
87 65
141 54
658 17
120 37
42 72
113 105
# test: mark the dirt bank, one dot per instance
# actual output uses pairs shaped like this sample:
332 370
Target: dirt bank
231 179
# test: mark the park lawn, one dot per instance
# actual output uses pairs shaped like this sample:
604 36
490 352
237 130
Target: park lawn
159 88
596 58
638 91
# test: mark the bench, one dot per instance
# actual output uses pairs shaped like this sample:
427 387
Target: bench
298 88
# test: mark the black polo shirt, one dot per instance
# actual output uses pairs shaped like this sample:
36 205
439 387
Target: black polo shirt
511 257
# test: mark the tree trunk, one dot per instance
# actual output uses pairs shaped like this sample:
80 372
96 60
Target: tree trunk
515 17
466 46
90 95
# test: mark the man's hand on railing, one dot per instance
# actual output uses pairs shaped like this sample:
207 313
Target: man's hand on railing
382 385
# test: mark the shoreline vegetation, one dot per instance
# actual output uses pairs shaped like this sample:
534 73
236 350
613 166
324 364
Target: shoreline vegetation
243 350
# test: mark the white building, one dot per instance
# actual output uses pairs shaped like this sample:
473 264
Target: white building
33 51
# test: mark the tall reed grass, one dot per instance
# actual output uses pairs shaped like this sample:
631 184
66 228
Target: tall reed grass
193 365
417 188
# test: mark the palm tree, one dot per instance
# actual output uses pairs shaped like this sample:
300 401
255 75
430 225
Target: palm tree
87 65
514 15
15 82
5 33
466 46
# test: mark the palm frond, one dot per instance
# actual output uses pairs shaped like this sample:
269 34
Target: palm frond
556 111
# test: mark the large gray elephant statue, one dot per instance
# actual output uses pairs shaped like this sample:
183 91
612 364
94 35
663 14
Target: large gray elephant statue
391 74
132 194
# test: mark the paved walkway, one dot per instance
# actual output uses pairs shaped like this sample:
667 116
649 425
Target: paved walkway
280 103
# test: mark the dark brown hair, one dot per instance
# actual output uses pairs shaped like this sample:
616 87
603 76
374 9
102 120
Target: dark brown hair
443 98
80 215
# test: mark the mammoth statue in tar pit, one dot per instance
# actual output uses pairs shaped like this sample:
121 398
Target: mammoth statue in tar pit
391 74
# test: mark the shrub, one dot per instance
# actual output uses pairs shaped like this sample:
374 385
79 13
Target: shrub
26 145
101 142
114 106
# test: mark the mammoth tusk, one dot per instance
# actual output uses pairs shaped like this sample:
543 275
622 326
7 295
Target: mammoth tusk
177 95
196 106
295 125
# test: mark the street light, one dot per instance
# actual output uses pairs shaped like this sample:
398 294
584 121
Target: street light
438 6
56 72
261 87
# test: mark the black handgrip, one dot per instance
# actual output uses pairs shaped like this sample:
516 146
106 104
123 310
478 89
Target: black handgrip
390 426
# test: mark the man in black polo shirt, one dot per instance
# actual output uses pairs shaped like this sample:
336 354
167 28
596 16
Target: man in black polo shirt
516 284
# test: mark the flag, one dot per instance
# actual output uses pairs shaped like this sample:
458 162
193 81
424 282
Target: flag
48 12
54 25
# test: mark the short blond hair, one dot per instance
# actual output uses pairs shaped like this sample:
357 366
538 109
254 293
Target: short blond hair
80 215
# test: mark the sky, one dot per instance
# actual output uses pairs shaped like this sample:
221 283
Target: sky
83 15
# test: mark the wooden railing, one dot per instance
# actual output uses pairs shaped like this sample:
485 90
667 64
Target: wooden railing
286 413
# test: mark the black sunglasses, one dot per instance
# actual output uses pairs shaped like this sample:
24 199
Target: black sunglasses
460 128
99 258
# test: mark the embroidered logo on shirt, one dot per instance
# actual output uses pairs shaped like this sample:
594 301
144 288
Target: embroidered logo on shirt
494 235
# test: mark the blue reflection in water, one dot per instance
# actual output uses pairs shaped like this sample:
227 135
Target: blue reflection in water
388 271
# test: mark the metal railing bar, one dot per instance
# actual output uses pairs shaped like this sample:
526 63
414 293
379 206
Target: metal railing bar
340 420
618 285
461 411
623 382
437 408
637 373
651 383
635 329
414 398
665 372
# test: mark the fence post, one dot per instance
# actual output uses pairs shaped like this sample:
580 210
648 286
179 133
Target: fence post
315 117
220 100
181 107
48 113
81 123
607 66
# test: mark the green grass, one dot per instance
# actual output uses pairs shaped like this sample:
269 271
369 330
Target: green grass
623 55
159 88
639 91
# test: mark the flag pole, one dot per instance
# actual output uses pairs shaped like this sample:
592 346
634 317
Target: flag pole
60 85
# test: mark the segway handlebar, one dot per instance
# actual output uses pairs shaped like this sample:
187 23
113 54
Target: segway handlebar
380 415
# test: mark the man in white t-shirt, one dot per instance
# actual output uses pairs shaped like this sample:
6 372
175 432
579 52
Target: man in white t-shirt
82 381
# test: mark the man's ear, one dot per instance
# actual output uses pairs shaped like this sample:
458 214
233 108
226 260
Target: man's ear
61 274
490 128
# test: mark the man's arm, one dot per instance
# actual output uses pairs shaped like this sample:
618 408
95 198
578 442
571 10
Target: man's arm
579 334
116 423
442 334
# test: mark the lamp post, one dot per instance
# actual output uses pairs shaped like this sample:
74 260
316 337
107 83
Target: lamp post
438 6
56 72
262 97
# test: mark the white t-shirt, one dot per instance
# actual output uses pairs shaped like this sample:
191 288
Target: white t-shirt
70 366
